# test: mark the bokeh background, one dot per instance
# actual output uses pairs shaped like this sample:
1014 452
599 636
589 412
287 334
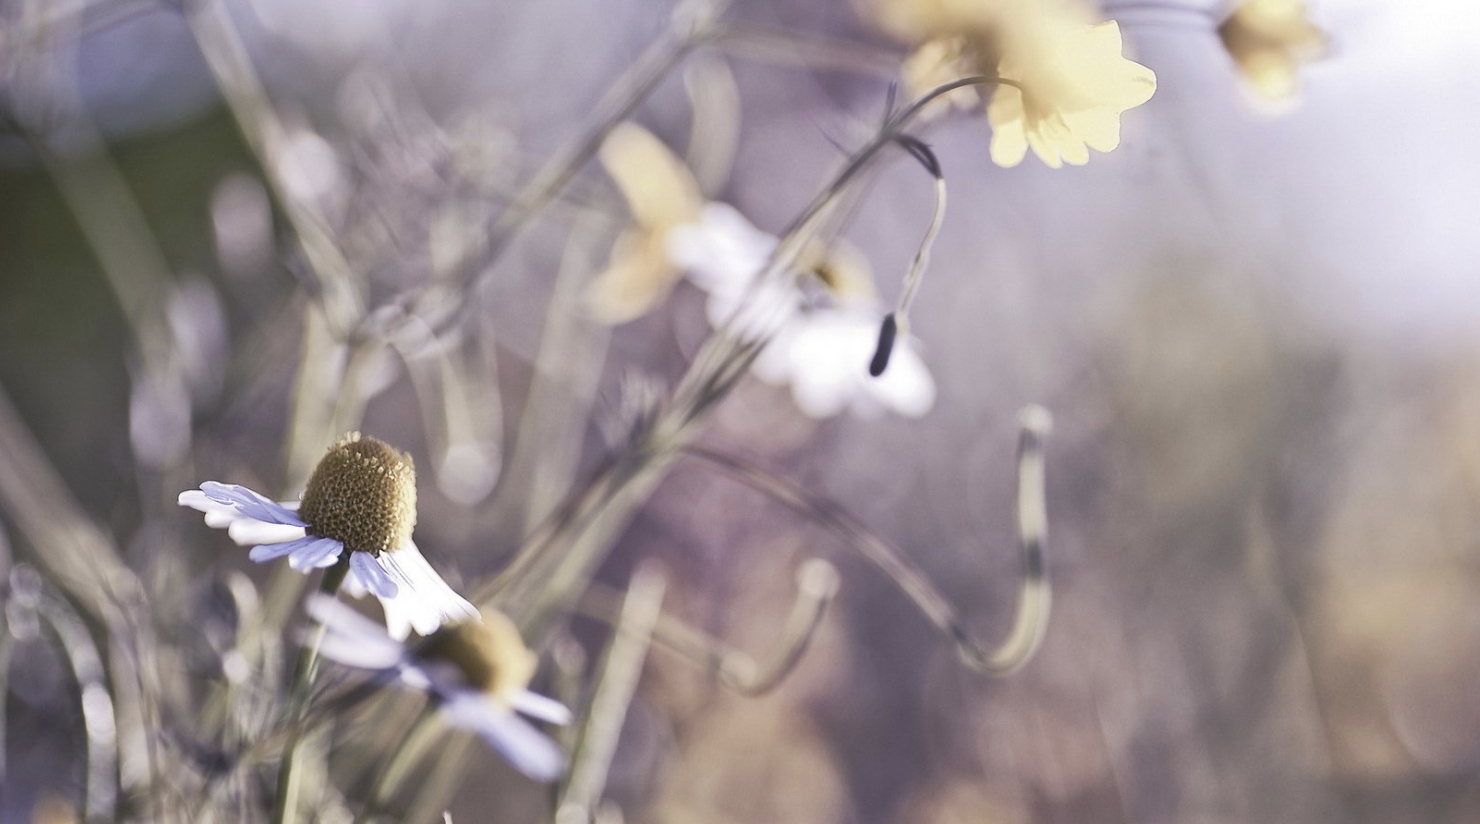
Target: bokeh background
1256 331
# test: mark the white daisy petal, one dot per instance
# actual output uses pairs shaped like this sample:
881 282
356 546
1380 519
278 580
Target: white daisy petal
398 617
255 524
351 638
370 576
528 749
250 503
538 706
417 678
424 600
249 531
722 251
217 515
353 586
322 552
269 552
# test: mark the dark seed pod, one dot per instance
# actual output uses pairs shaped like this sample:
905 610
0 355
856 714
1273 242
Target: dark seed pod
887 332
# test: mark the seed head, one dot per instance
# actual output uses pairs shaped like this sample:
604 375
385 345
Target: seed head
362 494
489 654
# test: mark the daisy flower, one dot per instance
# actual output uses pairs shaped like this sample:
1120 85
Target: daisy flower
822 343
477 671
361 499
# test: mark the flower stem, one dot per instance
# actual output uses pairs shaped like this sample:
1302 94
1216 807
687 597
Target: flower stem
285 808
393 770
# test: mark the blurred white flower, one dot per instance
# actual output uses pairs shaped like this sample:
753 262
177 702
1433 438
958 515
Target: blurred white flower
824 356
722 253
822 346
361 497
477 671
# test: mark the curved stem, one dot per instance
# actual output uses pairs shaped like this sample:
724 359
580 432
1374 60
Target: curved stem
100 765
1031 617
285 807
726 348
817 584
556 563
616 683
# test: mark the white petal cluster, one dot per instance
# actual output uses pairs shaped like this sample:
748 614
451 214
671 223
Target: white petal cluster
412 594
821 350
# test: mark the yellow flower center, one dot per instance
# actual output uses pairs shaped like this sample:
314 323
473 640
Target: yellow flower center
490 655
362 494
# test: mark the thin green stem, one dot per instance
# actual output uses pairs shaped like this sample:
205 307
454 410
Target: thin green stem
285 808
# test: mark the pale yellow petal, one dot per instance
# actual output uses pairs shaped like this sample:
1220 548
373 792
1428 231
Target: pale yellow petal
1074 152
638 277
1043 146
1009 144
659 189
1100 128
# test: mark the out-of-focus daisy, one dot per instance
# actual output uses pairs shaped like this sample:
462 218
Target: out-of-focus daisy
661 194
1268 40
477 671
1070 80
361 498
823 338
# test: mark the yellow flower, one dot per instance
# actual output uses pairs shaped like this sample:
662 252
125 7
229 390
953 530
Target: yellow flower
952 39
1071 81
1074 85
1268 39
662 194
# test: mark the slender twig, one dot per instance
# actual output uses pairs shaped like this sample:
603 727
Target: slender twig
817 584
616 683
625 95
81 560
788 47
1031 616
285 807
562 391
226 56
100 731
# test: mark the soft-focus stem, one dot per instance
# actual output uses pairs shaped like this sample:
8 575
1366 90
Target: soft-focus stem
1031 617
231 66
285 807
616 683
100 762
918 264
80 559
817 584
789 47
562 390
394 769
443 778
625 95
556 564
